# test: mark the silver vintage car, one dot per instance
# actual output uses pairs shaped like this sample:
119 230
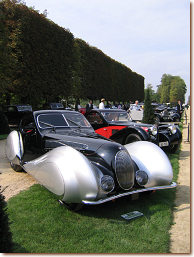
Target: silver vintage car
81 167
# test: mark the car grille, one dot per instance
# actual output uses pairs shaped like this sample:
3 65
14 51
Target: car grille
124 170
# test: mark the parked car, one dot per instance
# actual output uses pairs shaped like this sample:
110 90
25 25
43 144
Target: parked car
14 113
116 125
80 166
166 114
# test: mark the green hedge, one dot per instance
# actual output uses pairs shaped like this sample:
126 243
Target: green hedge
42 62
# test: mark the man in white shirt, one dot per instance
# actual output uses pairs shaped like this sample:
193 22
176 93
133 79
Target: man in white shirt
101 105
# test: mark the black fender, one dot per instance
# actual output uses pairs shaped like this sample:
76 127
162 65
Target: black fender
122 134
175 116
164 136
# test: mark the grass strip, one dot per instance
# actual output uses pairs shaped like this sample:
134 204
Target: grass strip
41 225
3 137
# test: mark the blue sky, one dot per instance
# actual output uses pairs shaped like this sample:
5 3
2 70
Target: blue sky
151 37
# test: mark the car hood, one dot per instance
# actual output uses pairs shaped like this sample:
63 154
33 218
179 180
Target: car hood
80 141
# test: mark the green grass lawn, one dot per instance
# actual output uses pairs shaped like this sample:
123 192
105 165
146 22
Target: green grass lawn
3 137
39 224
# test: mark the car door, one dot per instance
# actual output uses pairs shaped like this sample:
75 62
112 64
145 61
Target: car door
29 134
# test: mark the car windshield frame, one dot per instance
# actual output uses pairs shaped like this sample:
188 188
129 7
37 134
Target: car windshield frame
62 120
115 116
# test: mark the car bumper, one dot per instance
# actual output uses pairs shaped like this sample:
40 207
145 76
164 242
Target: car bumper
166 139
172 185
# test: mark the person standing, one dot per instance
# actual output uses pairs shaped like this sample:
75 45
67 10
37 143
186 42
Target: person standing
89 106
101 105
179 108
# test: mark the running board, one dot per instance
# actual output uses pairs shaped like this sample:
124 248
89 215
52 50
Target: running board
173 185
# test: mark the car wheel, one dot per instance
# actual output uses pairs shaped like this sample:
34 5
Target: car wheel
173 148
132 138
16 167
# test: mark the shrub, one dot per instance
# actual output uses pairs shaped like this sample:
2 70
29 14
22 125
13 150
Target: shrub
6 244
4 127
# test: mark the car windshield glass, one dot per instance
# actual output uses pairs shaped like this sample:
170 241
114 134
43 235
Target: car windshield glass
115 116
76 120
57 120
51 120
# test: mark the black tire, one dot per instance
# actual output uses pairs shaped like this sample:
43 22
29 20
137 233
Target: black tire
73 206
132 138
16 167
173 148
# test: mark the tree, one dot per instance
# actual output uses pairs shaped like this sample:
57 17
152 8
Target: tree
148 114
153 95
172 89
177 90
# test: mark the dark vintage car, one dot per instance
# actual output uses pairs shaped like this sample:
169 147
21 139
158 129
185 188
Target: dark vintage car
166 114
14 113
116 125
80 166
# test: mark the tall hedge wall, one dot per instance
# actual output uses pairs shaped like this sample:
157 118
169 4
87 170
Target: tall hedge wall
41 61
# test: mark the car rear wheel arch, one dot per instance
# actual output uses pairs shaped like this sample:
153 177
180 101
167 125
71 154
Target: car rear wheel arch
133 137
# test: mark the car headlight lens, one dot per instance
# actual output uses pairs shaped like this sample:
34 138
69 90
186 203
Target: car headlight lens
141 177
154 130
107 183
172 129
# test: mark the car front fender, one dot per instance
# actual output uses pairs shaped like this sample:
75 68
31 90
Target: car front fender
65 171
151 159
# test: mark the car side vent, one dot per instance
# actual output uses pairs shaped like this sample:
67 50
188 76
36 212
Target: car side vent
124 170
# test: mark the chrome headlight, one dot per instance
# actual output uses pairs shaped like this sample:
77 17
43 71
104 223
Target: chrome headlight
154 130
141 177
172 129
107 183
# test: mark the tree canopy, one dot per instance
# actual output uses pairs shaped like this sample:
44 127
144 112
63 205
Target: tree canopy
171 89
43 62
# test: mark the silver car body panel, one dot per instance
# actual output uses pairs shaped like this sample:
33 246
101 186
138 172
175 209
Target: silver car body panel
14 147
65 171
153 160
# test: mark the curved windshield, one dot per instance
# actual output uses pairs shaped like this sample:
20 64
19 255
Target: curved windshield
116 116
61 120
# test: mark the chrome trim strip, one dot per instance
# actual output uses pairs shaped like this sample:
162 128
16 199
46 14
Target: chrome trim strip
173 185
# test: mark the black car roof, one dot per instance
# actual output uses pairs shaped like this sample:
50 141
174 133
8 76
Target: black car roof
54 111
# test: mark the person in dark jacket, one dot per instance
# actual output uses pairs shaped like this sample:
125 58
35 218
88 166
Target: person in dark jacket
89 106
179 108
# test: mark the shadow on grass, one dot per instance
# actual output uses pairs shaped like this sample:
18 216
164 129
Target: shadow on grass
113 210
18 249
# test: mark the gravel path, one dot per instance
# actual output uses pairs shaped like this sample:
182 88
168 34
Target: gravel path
181 230
12 183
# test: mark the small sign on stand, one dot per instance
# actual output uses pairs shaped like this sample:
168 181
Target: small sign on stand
132 215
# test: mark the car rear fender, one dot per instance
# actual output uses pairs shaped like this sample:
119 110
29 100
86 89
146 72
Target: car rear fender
130 130
66 172
14 147
151 158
